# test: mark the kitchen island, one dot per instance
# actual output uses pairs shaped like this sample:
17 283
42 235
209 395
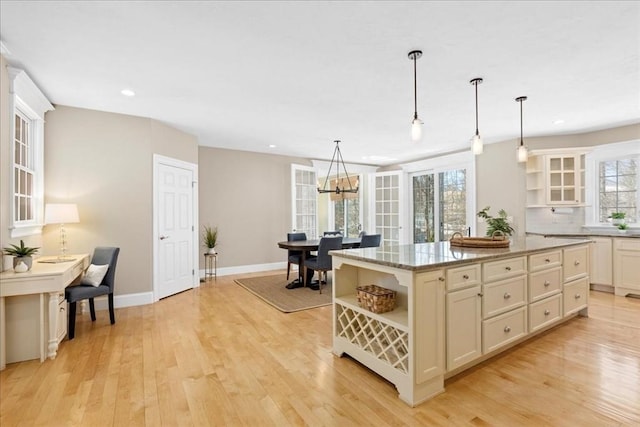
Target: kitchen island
454 307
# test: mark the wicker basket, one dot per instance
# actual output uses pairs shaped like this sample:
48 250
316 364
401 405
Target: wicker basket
497 240
376 299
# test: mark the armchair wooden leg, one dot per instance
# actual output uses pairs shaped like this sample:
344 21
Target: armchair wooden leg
92 309
72 320
112 314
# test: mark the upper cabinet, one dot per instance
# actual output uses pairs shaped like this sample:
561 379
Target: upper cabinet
555 180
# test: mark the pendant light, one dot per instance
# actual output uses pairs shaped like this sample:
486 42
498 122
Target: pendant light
337 157
416 123
476 141
522 150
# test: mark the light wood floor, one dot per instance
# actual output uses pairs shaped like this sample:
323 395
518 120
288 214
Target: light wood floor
220 356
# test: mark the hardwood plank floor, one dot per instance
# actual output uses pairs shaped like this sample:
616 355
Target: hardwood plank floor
217 355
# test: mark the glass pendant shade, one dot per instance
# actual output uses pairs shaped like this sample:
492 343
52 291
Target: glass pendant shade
416 130
522 154
476 144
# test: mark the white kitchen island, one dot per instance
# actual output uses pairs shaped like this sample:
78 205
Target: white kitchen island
455 307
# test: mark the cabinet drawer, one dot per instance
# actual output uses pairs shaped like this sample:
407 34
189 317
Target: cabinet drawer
545 283
503 269
576 296
503 329
576 262
545 312
503 296
463 277
545 260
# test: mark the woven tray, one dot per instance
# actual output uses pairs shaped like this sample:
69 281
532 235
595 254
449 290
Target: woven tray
497 240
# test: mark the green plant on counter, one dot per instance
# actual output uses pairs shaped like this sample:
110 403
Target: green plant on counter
617 215
623 226
20 251
496 224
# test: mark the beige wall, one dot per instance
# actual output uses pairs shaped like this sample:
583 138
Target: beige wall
248 197
104 163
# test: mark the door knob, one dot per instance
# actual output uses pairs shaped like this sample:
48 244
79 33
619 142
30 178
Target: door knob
164 237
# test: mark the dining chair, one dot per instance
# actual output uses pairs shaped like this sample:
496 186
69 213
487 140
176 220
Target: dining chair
370 241
87 290
333 233
294 257
323 262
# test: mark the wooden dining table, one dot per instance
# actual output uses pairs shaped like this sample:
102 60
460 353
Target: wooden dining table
306 247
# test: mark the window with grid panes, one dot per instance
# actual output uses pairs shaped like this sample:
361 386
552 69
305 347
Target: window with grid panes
618 188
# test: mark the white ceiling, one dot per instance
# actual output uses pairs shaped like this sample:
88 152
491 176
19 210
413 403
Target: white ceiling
244 75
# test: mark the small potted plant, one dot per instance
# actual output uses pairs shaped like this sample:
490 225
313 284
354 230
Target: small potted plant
622 227
210 238
617 218
22 260
496 224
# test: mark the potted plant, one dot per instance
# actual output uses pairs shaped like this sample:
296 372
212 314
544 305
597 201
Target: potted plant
617 218
496 224
622 227
22 260
210 238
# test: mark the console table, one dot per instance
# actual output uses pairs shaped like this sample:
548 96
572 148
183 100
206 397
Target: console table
33 308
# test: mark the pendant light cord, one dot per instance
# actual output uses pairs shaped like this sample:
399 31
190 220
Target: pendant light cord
476 85
415 87
521 141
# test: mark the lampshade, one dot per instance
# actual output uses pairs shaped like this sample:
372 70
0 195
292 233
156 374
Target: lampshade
522 153
476 144
61 213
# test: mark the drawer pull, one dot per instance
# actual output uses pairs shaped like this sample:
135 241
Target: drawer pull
576 262
547 260
61 308
465 277
547 312
480 294
546 283
507 295
441 279
507 329
507 268
578 296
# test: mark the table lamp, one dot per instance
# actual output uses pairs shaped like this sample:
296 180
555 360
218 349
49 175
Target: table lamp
61 213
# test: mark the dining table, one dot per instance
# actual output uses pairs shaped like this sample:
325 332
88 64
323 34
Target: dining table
306 247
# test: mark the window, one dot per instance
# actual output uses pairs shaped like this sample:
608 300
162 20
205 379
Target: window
453 202
618 188
305 201
611 183
27 163
346 214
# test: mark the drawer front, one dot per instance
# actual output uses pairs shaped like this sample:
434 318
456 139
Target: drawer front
545 312
545 260
463 277
576 296
503 269
503 329
545 283
576 263
500 297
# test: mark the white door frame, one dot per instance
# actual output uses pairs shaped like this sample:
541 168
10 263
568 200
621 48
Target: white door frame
168 161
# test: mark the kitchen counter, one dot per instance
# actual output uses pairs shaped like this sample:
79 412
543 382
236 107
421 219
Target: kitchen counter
426 256
586 234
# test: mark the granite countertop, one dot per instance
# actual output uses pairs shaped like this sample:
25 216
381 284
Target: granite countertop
426 256
634 234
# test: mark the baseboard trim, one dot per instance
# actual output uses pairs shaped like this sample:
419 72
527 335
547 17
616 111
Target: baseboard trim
253 268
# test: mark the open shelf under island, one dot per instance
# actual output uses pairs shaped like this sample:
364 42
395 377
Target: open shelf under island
455 307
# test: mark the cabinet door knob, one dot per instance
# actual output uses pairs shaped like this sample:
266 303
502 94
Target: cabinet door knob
507 329
61 308
465 277
441 279
507 268
480 294
577 296
547 260
547 312
576 262
546 283
507 295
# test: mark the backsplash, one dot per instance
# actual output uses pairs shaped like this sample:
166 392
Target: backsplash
562 220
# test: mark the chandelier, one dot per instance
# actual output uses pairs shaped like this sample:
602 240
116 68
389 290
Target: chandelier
339 186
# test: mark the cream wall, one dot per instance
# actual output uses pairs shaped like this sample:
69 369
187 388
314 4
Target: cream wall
104 163
248 197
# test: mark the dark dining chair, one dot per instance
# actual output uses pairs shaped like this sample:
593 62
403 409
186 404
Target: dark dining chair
370 241
332 233
73 294
323 262
294 257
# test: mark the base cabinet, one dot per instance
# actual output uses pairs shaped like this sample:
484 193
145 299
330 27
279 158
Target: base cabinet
464 332
626 261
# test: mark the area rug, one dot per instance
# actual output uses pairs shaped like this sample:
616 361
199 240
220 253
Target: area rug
273 291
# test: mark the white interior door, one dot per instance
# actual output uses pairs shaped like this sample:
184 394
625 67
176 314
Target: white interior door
175 268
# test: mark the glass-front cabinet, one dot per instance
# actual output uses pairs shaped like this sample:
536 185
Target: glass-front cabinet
555 179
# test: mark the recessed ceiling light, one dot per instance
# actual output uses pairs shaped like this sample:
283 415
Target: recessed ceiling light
128 92
272 146
558 122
